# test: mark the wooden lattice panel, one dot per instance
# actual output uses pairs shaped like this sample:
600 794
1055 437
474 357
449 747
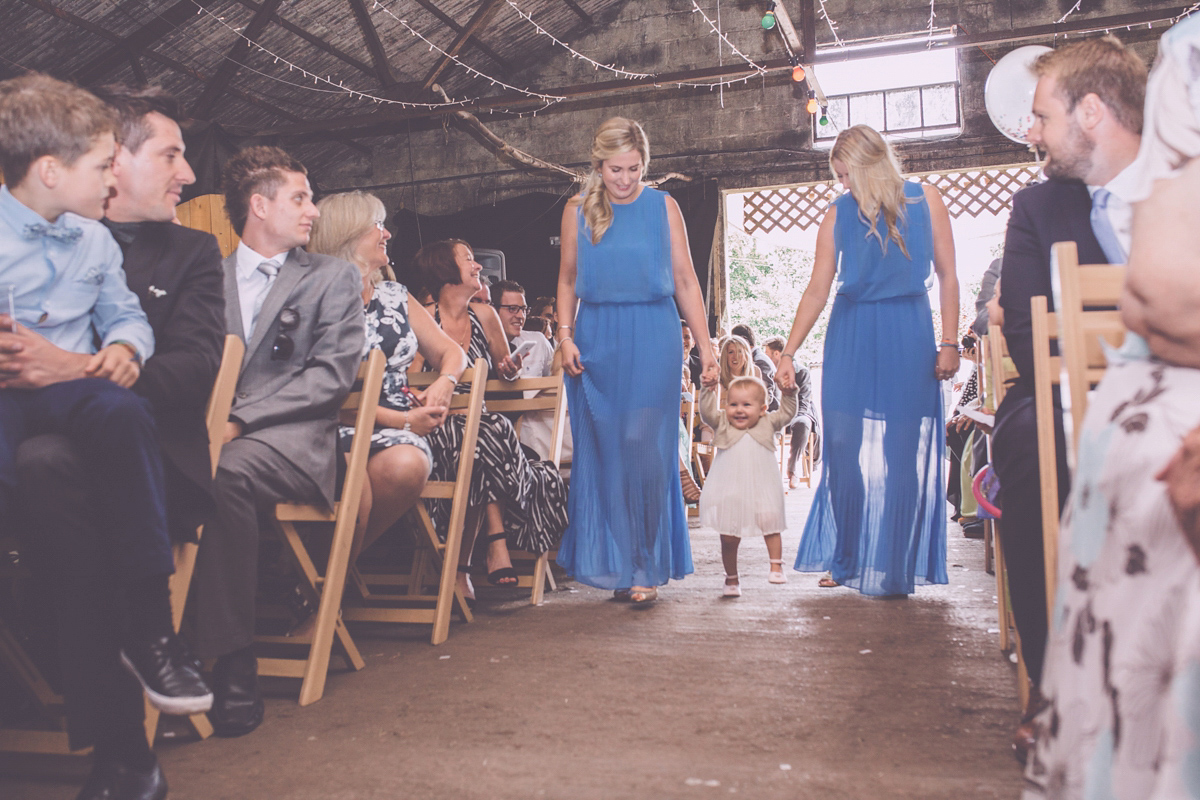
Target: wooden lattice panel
969 192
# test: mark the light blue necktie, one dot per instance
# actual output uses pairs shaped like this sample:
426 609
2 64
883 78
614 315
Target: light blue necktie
1102 227
270 268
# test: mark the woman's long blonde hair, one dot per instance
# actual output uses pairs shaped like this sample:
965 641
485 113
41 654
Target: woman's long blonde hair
345 219
873 174
613 137
727 373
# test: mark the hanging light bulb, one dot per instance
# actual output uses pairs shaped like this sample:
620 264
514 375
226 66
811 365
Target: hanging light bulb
797 73
768 20
824 120
812 104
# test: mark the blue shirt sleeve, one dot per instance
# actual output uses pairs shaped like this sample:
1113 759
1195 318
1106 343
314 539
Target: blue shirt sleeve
117 314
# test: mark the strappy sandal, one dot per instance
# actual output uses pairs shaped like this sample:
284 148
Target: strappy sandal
732 589
776 577
642 595
505 576
827 581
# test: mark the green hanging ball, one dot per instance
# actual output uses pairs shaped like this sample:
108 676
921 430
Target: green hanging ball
768 20
824 120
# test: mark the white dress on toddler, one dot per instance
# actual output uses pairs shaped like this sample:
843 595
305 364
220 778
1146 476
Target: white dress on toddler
743 493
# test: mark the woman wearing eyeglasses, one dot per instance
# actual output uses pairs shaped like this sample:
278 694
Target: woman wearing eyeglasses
351 227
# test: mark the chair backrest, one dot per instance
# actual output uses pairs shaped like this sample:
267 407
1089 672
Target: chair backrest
536 394
1086 296
363 400
207 213
1000 368
220 402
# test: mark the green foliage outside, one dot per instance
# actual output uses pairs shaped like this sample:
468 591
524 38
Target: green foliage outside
765 285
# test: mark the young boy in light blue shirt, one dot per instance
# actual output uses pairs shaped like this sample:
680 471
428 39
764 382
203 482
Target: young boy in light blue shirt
56 149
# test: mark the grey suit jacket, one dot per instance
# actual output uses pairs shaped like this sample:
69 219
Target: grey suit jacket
290 400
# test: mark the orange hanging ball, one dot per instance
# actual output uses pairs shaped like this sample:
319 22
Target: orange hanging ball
797 73
812 105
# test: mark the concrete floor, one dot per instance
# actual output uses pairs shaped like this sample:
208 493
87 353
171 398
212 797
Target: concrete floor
788 692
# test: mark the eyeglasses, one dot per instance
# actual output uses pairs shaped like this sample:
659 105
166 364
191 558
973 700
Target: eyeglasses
381 225
516 309
282 348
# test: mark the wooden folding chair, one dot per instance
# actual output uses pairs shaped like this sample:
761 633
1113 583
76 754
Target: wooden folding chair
1088 301
216 415
324 591
403 598
550 396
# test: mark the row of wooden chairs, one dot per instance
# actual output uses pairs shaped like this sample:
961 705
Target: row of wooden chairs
1086 321
428 594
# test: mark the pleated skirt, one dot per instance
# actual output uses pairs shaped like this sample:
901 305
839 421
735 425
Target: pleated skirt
628 525
878 520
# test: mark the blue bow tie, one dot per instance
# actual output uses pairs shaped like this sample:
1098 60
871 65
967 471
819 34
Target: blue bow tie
59 233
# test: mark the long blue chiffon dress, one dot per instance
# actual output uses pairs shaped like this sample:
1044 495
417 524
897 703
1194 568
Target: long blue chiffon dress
628 526
878 521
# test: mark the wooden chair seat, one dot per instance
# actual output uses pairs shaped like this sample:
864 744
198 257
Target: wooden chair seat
324 589
428 594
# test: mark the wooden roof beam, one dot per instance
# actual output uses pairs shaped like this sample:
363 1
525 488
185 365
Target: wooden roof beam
172 64
314 40
383 70
473 42
479 20
204 105
112 59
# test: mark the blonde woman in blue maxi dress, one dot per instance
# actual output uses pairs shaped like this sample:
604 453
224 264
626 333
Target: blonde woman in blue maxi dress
625 278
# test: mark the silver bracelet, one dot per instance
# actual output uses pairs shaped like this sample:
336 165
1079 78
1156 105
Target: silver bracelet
407 424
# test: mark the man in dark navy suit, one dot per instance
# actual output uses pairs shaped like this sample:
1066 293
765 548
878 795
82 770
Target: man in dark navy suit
176 274
1088 119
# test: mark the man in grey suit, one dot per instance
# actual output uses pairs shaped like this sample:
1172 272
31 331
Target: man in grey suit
301 316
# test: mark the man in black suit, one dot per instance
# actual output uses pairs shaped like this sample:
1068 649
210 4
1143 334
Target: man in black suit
1088 119
176 274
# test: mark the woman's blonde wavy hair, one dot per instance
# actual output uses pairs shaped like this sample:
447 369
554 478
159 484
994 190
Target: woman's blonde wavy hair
727 373
613 137
345 219
873 174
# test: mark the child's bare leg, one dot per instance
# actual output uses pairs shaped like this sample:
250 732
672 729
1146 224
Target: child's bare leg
729 554
775 554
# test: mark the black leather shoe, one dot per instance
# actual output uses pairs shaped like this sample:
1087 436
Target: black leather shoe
169 674
111 781
237 708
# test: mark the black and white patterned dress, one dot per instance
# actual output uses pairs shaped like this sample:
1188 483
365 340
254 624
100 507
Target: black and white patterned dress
531 492
388 329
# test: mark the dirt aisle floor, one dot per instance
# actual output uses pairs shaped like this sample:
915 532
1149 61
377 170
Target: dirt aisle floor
788 692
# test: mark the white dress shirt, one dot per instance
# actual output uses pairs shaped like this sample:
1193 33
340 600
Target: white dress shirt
251 283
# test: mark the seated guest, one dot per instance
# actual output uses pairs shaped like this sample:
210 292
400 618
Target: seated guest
301 317
691 356
535 428
351 228
1088 118
805 421
524 501
75 550
765 367
539 325
987 290
546 307
734 361
1124 651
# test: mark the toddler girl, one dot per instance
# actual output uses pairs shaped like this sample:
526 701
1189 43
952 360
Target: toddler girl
743 494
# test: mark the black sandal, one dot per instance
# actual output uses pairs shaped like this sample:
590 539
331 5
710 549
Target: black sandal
508 575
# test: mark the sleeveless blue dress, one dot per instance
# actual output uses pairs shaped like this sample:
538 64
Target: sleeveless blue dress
628 526
878 521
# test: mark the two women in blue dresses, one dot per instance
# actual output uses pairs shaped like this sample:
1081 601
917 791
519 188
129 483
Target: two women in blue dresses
878 521
626 266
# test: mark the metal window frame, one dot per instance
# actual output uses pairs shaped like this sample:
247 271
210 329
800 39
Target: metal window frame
922 128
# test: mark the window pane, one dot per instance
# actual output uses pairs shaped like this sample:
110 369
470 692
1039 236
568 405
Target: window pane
867 109
903 109
941 105
837 119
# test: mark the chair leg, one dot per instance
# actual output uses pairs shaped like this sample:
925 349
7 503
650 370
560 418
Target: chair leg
540 570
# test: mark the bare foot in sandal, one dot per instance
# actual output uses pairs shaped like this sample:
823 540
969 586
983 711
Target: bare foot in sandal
827 581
